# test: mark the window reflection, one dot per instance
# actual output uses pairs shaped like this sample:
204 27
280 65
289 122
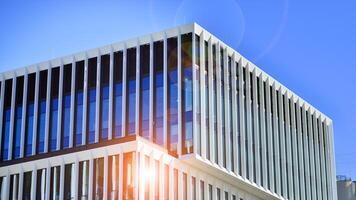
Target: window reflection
30 113
117 114
129 176
187 94
222 108
55 182
26 188
98 178
67 79
207 108
92 65
172 95
41 120
145 90
215 109
54 109
197 92
78 113
113 177
83 178
41 184
18 117
175 182
131 91
6 120
14 186
69 181
104 102
158 92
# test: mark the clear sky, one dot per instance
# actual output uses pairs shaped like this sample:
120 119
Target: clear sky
309 46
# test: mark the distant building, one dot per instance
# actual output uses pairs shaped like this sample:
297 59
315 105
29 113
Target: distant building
176 114
346 188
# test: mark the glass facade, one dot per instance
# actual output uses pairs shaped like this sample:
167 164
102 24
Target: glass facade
59 121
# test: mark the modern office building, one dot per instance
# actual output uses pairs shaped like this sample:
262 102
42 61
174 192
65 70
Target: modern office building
176 114
346 188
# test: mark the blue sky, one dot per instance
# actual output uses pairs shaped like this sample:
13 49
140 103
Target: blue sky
309 46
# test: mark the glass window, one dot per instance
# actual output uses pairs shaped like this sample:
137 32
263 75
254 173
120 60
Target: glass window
69 181
41 184
215 110
67 79
41 120
54 109
83 179
210 192
129 176
147 177
175 182
185 192
98 178
226 195
30 113
131 91
104 102
117 114
18 117
166 181
92 65
187 94
231 78
6 120
158 92
197 93
194 188
2 180
145 90
223 97
26 188
172 95
218 194
202 191
207 114
14 186
156 179
55 182
78 113
113 177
